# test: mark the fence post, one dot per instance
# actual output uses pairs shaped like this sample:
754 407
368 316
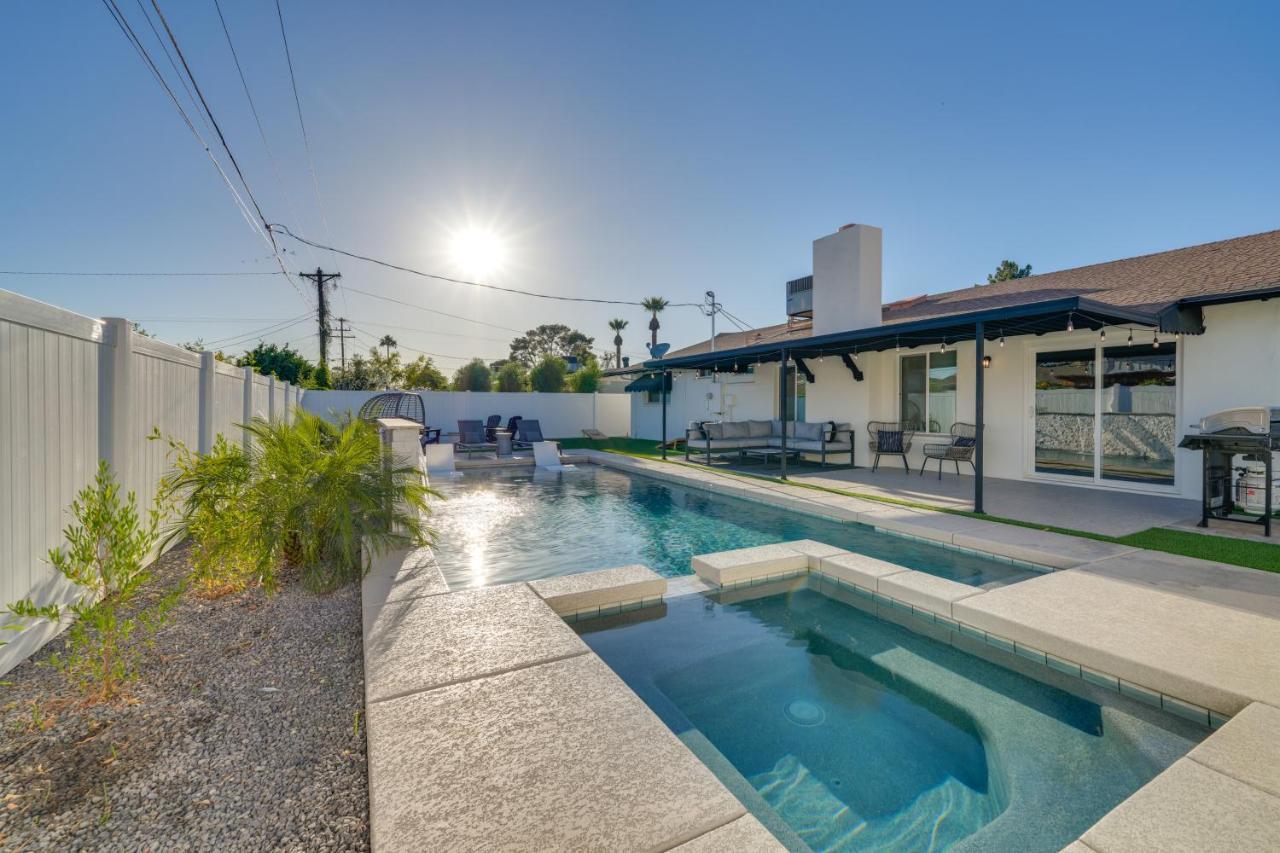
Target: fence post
208 373
248 404
115 387
271 399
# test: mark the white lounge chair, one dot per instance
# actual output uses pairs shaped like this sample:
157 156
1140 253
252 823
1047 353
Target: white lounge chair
546 455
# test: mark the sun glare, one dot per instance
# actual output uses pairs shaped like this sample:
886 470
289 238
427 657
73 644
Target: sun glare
477 252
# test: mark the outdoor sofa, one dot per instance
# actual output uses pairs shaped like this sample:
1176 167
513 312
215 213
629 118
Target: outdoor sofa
821 438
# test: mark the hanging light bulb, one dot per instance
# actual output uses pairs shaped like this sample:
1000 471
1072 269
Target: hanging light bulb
820 357
1102 336
943 348
1071 327
1130 341
1002 338
897 345
1155 341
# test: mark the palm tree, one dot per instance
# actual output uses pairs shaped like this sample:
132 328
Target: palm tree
617 325
654 304
388 342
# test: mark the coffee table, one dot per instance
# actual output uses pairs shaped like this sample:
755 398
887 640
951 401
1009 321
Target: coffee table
768 453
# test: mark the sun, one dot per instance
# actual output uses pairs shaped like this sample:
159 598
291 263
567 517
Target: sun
477 252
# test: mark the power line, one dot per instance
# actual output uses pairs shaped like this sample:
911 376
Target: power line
138 274
373 342
427 331
285 230
268 330
431 310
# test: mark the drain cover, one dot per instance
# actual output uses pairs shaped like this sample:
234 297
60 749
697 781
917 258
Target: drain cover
805 713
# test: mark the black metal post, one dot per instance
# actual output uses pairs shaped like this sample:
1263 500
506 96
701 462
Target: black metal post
782 411
662 393
979 345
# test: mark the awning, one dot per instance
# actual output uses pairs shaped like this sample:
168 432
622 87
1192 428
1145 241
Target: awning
648 382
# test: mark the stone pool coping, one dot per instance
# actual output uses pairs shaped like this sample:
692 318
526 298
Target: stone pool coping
528 741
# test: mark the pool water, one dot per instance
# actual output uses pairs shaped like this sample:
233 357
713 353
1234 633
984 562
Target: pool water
840 730
517 524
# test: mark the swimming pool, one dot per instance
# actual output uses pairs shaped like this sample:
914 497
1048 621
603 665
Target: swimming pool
841 730
518 524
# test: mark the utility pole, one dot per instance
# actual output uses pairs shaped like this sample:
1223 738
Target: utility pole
342 335
322 279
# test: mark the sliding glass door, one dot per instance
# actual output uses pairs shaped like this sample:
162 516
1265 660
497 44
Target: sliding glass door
1065 405
1107 413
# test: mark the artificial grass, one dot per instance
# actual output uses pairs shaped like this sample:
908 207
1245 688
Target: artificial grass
1222 549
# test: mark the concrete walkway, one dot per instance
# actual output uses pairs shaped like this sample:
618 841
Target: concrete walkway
1092 510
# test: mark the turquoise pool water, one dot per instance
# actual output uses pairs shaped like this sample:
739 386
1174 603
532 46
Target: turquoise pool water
843 731
514 525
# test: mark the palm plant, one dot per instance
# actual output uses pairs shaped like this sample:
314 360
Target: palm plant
654 305
388 342
617 325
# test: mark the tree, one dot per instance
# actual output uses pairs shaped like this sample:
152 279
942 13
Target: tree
1008 271
357 376
282 362
197 346
512 377
547 375
385 369
473 376
587 379
617 325
422 374
388 342
550 339
320 378
654 305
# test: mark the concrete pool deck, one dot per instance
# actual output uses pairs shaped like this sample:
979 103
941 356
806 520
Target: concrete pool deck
490 724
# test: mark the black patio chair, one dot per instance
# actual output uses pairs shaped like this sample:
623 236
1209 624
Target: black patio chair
527 432
890 438
959 449
400 404
512 423
491 426
471 439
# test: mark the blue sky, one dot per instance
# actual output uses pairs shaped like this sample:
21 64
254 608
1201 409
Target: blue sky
626 150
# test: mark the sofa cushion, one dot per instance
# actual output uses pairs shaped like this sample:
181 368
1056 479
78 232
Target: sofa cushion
760 429
736 429
808 431
775 427
714 430
804 444
719 443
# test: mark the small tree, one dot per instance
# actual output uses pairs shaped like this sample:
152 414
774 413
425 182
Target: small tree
587 380
617 325
1008 271
655 305
473 376
422 374
105 556
282 362
547 375
320 379
512 377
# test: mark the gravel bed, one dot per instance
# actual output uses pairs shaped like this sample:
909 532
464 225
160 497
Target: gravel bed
245 731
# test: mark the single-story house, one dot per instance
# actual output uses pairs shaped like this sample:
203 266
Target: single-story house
1088 376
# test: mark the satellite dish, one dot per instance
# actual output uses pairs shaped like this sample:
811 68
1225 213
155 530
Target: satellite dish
659 350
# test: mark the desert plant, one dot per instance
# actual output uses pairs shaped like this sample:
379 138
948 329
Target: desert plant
212 493
548 374
105 556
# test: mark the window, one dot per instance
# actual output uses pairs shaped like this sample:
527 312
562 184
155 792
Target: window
927 391
651 396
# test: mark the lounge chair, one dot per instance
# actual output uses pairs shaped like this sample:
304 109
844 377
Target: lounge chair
890 438
471 439
400 404
527 433
960 449
490 426
546 455
595 435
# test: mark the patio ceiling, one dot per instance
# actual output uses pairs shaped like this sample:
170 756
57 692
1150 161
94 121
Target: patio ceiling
1034 318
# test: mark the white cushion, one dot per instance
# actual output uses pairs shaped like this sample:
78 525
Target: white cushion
809 432
714 430
736 429
760 429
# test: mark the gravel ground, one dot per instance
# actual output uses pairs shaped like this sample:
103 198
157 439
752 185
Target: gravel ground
245 731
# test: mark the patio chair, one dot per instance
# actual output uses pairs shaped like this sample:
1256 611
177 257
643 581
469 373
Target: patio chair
959 449
512 423
400 404
890 438
528 432
490 426
471 439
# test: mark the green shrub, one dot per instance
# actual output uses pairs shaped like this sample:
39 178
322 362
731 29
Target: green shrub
547 375
587 379
309 494
512 377
473 376
105 555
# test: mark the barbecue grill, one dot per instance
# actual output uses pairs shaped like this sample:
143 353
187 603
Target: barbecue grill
1252 433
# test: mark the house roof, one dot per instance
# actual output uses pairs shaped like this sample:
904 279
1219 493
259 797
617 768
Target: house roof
1147 284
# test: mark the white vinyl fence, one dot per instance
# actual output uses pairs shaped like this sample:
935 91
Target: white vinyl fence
560 415
74 389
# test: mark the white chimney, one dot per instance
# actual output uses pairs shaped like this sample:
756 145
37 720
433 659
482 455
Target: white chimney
846 279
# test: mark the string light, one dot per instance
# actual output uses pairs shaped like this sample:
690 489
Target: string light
1155 341
1130 341
1002 339
1071 327
943 348
1102 336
